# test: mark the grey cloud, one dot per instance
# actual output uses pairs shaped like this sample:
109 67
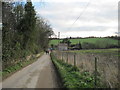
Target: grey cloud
58 13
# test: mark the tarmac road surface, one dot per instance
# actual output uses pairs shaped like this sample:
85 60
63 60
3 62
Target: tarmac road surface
40 74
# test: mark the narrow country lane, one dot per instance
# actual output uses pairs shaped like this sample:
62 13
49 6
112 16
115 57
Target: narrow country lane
40 74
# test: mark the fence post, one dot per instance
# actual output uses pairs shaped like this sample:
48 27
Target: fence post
75 59
62 56
95 72
67 57
57 55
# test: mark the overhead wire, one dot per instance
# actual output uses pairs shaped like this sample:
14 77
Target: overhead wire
80 14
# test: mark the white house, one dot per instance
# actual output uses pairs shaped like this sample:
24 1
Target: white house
62 47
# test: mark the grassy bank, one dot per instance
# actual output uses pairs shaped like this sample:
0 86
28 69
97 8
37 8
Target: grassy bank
107 62
10 70
72 77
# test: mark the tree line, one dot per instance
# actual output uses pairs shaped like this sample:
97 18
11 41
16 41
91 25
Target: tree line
23 33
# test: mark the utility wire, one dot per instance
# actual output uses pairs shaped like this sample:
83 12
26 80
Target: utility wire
80 14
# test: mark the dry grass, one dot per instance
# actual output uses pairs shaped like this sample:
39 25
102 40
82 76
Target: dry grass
107 64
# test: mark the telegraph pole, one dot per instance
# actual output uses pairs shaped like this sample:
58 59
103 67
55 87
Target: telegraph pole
58 37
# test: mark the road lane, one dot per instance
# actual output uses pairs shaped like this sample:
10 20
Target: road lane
40 74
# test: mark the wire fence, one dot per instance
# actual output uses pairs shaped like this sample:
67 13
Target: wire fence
103 65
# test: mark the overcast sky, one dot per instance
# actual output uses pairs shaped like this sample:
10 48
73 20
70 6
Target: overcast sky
95 17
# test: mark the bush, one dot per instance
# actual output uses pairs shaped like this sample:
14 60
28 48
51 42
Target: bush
87 45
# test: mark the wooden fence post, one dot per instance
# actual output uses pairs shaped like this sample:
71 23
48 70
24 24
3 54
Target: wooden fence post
67 57
95 72
56 55
75 59
62 56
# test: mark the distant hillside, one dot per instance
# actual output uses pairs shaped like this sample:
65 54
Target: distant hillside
101 42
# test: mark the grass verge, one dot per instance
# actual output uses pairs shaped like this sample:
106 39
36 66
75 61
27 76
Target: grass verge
11 70
71 76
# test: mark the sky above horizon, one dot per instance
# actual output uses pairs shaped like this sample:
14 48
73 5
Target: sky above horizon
80 18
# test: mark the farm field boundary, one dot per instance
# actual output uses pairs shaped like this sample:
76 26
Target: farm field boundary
104 62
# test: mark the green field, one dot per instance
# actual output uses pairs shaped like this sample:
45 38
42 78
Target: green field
90 40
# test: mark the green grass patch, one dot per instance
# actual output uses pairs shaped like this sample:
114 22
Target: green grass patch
54 42
72 77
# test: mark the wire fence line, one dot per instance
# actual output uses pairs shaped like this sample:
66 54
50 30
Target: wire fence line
103 65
